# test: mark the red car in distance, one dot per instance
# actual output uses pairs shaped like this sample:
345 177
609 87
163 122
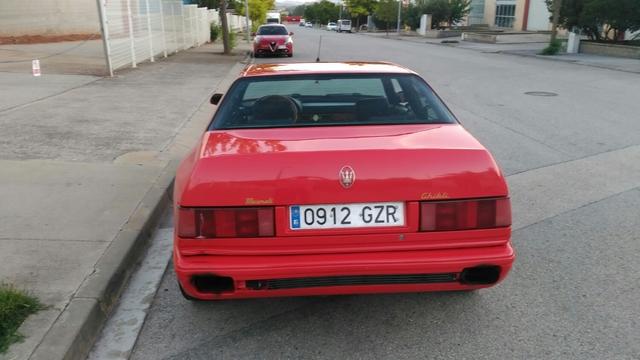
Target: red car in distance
271 40
337 178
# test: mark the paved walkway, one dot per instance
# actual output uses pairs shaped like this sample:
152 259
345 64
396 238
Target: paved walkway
81 158
68 57
528 45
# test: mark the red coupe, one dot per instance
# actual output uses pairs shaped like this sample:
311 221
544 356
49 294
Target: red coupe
337 178
272 39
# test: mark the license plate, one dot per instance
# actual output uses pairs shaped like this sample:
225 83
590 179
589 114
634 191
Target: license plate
338 216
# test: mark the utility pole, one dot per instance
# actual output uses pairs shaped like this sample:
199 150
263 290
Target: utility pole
557 4
246 16
399 12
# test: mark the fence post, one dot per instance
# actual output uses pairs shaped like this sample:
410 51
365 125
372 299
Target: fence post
105 34
164 38
184 32
194 30
131 38
149 33
175 28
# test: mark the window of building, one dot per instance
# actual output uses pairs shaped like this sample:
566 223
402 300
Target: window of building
505 15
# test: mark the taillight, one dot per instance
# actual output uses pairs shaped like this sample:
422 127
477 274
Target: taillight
225 222
465 214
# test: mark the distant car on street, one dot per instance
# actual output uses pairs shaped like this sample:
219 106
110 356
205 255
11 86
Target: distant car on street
272 39
343 25
308 24
337 178
332 26
302 23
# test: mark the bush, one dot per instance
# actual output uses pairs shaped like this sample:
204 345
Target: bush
215 32
15 306
553 48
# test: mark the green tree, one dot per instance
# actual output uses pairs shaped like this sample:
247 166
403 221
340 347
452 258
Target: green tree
298 10
387 11
360 8
411 16
458 10
440 11
618 16
321 12
596 18
257 11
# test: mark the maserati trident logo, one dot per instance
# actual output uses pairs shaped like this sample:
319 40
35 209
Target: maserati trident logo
347 176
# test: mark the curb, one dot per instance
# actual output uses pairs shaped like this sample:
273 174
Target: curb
72 335
74 332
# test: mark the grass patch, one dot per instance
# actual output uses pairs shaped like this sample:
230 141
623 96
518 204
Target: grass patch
553 48
15 306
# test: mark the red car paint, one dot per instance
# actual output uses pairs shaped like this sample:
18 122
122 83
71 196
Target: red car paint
297 166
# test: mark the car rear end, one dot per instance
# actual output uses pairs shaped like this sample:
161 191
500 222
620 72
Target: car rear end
343 25
296 211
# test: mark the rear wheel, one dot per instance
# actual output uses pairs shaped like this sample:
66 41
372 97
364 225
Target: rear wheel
290 54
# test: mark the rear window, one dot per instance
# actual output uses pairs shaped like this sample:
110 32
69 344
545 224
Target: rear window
272 30
330 100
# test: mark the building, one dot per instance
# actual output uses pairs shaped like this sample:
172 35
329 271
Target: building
526 15
49 18
476 13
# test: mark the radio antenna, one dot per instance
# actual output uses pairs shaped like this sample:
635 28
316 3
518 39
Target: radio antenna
319 46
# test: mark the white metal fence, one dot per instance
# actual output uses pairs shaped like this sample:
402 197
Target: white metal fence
139 30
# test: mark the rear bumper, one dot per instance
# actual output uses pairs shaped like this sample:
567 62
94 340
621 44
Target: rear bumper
331 274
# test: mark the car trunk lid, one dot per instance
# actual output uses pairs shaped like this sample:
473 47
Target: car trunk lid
297 166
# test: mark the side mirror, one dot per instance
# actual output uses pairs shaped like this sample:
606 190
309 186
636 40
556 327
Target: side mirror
215 99
253 34
291 33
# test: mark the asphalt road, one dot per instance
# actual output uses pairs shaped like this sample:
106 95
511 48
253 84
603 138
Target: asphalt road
573 165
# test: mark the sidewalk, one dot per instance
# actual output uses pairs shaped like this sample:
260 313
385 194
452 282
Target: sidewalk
84 57
528 45
86 166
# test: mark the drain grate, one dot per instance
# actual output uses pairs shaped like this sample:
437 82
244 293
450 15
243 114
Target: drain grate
541 93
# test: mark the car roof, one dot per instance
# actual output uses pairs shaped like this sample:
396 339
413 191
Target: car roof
353 67
272 24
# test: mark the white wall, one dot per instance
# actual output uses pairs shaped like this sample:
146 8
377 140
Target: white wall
538 16
48 17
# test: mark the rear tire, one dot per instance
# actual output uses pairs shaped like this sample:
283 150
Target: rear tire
289 55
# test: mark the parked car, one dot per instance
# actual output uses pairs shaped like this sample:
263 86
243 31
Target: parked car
302 23
343 25
332 26
308 24
337 178
272 39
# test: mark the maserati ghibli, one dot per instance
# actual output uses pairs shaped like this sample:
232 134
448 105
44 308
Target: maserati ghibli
337 178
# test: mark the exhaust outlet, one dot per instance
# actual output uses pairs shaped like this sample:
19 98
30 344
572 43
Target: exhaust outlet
212 284
480 275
